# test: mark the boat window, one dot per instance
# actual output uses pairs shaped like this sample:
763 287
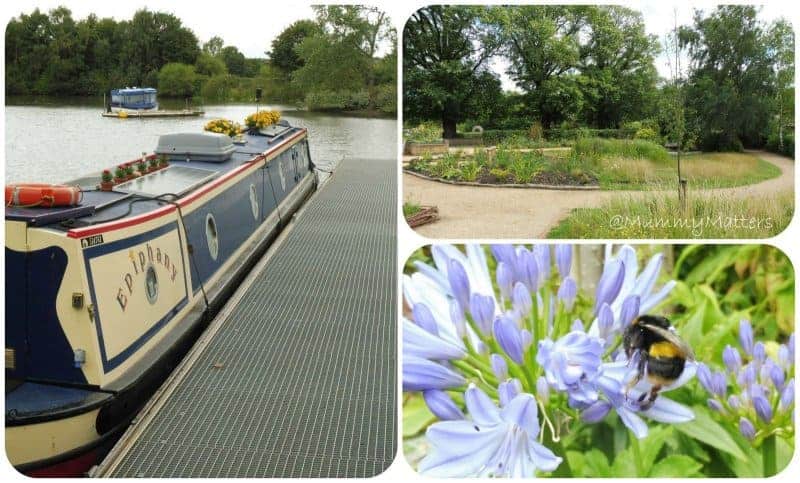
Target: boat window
211 236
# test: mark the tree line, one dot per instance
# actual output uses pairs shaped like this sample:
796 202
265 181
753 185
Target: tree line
595 67
329 62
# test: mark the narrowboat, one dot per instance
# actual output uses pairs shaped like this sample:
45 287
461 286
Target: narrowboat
133 99
105 296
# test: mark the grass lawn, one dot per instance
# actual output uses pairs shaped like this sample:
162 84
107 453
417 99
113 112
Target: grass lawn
704 170
658 216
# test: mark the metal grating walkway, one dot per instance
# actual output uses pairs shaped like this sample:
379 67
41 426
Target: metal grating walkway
299 380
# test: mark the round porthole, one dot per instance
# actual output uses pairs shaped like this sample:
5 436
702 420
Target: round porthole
254 201
211 236
151 285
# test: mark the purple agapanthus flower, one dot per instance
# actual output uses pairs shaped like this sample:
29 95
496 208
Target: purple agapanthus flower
571 363
613 381
494 442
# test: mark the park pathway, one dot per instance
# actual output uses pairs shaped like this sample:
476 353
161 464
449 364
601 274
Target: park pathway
491 212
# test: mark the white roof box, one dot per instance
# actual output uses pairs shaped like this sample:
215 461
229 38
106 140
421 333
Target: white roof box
206 146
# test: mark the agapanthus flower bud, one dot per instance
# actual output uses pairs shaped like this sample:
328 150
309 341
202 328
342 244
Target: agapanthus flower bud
747 375
508 390
787 395
719 384
746 336
542 255
505 253
715 405
457 317
530 270
442 405
509 338
704 376
577 325
421 374
629 310
563 259
481 307
610 283
567 292
763 408
596 411
499 366
459 282
731 358
605 321
775 374
760 352
783 356
521 299
747 429
505 279
790 345
734 402
423 317
542 389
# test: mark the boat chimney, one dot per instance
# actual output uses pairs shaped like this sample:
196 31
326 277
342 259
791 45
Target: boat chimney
258 97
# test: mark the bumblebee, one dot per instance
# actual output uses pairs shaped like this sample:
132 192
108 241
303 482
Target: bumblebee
662 355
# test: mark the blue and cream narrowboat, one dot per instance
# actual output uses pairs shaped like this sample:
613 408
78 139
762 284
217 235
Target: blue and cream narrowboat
104 298
133 99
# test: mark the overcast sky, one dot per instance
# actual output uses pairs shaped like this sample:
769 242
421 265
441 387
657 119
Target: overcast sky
659 19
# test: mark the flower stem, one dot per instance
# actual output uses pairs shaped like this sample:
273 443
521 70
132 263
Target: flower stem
769 455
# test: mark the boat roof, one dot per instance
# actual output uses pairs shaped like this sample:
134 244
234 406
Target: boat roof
134 90
101 206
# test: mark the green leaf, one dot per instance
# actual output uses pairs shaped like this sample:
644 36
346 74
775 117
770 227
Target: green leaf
652 444
676 465
705 429
596 464
416 416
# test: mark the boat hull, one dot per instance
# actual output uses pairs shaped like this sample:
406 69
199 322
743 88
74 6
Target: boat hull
149 285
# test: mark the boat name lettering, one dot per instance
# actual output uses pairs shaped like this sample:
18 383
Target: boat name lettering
139 260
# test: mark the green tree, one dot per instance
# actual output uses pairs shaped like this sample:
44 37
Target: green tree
176 79
732 85
214 46
209 65
618 78
780 42
284 47
543 47
445 50
233 59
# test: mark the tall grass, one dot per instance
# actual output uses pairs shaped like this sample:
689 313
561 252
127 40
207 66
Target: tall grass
597 148
658 215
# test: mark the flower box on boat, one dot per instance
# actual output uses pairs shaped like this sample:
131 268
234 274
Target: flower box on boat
206 146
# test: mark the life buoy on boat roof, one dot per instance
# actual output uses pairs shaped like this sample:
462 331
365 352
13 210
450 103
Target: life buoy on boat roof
28 195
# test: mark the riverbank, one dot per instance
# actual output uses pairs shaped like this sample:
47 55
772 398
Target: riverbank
179 103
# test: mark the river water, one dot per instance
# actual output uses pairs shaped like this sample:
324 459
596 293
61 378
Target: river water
56 143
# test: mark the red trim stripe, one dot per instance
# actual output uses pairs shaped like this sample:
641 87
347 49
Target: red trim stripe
164 210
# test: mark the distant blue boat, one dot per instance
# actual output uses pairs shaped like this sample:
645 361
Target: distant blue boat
133 99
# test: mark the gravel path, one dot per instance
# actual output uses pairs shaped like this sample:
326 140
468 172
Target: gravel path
491 212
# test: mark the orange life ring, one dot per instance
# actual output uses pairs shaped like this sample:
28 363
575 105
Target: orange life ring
28 195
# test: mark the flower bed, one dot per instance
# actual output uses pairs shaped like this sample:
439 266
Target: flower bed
504 167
